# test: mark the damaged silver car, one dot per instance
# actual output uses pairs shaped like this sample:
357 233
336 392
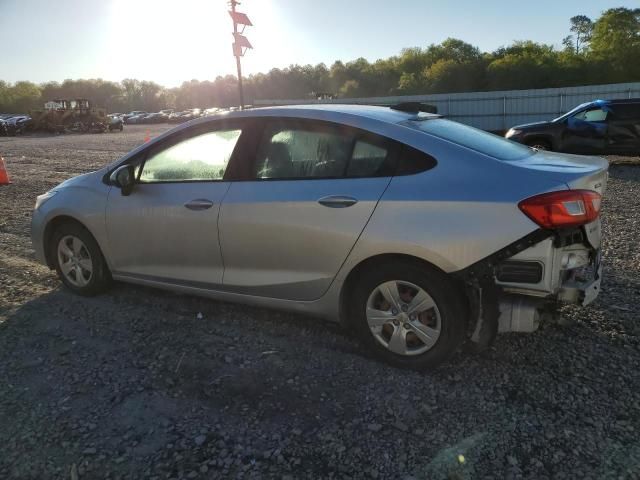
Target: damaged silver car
417 232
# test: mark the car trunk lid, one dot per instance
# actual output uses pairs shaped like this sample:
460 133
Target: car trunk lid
576 171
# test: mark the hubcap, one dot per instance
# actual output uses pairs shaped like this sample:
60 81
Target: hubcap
75 261
403 317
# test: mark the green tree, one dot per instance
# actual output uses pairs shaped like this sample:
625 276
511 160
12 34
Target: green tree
351 88
451 76
24 96
524 65
582 28
616 41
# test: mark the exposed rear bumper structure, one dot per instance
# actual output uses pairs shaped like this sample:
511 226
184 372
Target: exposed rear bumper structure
530 277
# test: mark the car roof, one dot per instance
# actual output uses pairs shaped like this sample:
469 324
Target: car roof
368 117
329 112
619 100
385 114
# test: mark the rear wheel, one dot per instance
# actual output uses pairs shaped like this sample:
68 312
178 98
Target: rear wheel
408 315
78 260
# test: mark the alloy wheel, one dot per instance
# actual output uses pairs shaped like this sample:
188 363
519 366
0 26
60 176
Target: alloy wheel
75 260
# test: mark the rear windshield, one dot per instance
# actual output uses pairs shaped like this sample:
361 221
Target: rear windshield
475 139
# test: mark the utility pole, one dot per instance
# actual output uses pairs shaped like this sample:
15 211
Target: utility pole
240 42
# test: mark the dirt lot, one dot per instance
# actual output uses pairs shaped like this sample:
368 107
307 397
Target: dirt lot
133 385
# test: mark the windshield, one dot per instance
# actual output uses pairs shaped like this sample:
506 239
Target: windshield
475 139
571 112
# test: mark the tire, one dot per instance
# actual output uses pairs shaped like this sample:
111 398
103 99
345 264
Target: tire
445 321
86 270
540 144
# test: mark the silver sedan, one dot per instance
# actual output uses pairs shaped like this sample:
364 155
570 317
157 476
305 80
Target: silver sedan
418 233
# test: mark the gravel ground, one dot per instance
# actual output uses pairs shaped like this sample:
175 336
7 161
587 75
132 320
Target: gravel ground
133 384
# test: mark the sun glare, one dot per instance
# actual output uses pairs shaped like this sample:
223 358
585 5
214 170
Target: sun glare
170 42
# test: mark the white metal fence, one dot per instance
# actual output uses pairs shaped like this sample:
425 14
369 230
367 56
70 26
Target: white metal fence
497 110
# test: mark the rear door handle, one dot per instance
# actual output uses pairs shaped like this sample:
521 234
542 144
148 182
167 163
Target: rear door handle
199 204
337 201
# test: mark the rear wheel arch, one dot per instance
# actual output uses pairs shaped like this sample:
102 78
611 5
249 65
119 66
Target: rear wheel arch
449 311
375 261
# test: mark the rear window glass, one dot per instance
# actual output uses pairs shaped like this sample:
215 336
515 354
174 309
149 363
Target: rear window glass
475 139
630 111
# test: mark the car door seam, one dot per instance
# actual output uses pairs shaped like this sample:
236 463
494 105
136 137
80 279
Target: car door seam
218 231
356 241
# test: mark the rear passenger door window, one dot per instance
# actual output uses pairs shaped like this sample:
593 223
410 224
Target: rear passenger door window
369 160
302 152
316 150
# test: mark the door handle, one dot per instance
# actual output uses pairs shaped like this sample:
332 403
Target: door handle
337 201
199 204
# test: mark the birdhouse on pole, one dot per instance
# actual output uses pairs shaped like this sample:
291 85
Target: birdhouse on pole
240 43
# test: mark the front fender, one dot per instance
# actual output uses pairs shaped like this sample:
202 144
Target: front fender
81 203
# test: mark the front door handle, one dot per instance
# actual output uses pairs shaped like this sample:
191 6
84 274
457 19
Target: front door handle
337 201
199 204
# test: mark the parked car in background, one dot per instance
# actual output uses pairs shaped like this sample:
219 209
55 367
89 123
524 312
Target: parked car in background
175 117
115 122
185 115
167 111
417 232
153 118
135 119
600 127
135 113
17 124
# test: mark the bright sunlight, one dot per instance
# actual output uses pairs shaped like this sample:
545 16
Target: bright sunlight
171 41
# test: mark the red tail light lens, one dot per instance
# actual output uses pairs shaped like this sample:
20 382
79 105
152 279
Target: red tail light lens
567 208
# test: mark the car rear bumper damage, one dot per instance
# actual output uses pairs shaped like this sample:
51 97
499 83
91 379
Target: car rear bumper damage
511 290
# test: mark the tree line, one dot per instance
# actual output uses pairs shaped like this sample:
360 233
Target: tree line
604 50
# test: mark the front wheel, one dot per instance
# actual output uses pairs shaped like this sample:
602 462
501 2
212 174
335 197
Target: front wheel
540 144
79 261
408 315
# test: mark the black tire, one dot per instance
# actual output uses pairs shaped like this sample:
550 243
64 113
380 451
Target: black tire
540 144
449 300
100 276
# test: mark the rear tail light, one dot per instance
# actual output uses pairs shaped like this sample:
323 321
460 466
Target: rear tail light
567 208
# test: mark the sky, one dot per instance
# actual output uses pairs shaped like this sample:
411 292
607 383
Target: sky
171 41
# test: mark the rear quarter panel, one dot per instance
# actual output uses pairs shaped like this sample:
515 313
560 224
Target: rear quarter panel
457 213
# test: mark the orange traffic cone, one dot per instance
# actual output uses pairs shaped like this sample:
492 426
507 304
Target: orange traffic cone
147 138
4 175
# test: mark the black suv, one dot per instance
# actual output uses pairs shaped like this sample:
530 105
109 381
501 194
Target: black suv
601 126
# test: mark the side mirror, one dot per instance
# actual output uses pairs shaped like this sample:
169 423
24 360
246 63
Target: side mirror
124 178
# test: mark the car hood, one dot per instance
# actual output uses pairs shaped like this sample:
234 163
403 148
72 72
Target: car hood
527 126
81 180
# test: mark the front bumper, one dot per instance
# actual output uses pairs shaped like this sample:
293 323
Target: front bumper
37 236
